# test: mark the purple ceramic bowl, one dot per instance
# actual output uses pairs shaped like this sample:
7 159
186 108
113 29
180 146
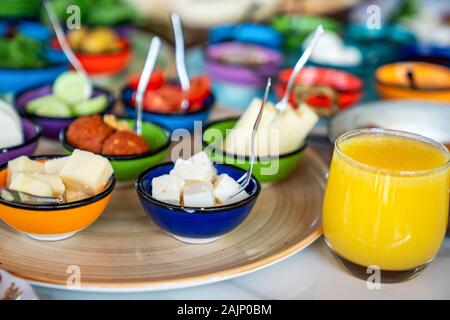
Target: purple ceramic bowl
32 133
236 73
52 126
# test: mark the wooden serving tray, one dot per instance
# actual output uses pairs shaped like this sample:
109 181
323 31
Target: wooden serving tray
124 251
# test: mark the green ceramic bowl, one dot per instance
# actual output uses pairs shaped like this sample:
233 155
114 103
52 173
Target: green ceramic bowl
128 168
266 169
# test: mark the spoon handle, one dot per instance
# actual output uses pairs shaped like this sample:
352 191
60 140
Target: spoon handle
300 63
62 39
149 65
179 52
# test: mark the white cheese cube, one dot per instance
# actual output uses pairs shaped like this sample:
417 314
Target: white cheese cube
239 197
225 187
167 188
72 196
199 195
23 164
55 166
200 157
187 170
24 182
86 172
53 180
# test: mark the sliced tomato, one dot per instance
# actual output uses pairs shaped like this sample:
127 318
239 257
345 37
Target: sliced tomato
165 99
200 89
156 80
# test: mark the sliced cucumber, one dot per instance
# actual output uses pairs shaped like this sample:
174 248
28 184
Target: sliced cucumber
72 87
49 106
91 106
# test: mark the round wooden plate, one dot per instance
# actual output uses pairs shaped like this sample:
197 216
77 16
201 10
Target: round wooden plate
124 251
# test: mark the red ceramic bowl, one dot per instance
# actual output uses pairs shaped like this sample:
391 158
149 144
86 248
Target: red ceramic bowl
328 87
106 63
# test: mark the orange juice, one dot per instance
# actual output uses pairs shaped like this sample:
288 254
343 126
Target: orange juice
386 201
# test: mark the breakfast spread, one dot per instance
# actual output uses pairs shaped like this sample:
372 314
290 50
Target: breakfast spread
194 183
107 136
66 179
71 97
278 133
12 132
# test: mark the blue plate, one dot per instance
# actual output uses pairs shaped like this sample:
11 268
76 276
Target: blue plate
195 225
172 121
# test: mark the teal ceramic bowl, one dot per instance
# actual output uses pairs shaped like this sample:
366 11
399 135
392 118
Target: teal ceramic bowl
265 169
127 168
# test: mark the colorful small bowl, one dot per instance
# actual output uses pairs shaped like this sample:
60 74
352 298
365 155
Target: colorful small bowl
284 164
15 80
51 223
172 121
52 126
32 133
195 225
347 87
248 33
127 168
413 80
106 64
295 28
236 85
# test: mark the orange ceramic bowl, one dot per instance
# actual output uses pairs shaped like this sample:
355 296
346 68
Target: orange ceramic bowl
413 80
107 63
51 223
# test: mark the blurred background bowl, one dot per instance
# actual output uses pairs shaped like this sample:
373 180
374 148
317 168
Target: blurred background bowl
32 132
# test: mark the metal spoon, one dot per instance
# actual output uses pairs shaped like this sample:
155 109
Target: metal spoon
180 60
149 65
281 105
64 45
22 197
244 180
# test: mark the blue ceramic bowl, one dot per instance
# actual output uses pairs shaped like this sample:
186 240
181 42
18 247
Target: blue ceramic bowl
195 225
27 28
247 32
14 80
172 121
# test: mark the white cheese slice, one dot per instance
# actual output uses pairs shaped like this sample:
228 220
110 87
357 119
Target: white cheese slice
23 164
167 188
24 182
72 196
54 166
53 180
225 187
86 172
198 171
198 195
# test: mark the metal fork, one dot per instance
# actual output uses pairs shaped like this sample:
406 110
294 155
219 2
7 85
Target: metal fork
244 180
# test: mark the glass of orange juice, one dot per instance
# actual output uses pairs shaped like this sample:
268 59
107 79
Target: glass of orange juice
386 202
